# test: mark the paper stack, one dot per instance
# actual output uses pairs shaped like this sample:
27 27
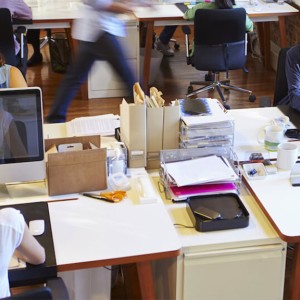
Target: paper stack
205 123
188 172
103 125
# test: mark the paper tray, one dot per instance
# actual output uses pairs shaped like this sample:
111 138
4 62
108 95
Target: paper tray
233 212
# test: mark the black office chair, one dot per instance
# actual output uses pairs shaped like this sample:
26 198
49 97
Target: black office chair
7 45
55 289
281 85
219 46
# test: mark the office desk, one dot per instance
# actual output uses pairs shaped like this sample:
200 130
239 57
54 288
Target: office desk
246 263
89 233
100 234
275 195
53 13
248 123
161 15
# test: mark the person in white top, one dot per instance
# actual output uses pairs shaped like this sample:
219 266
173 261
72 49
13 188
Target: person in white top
15 239
97 30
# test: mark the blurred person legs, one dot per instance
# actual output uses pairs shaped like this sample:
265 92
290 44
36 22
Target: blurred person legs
162 43
33 38
106 48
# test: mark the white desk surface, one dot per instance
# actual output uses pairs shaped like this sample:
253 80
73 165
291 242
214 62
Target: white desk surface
276 195
259 232
57 10
247 125
262 12
88 230
280 201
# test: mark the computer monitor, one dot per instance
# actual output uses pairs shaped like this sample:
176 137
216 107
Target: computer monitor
21 135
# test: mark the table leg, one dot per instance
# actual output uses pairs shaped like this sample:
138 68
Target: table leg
264 40
145 275
282 31
147 58
295 276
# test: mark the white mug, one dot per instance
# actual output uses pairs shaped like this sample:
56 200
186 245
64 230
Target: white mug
287 156
271 136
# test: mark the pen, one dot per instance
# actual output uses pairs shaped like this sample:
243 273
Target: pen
98 197
57 200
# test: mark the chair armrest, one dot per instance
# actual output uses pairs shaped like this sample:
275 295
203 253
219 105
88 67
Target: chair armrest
21 29
187 31
58 288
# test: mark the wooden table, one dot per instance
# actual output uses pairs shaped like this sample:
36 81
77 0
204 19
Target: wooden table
169 14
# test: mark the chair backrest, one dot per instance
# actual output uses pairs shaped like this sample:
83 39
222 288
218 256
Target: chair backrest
7 45
219 39
281 85
43 293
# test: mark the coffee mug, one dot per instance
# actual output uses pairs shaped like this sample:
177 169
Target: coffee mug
271 136
287 156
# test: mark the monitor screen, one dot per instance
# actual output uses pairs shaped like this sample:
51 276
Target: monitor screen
21 135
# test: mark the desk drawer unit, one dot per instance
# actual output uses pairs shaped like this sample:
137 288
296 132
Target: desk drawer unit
103 82
234 274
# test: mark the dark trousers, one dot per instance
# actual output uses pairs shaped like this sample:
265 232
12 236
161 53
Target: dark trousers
167 34
107 48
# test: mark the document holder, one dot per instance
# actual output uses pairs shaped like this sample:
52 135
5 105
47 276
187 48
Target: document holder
217 212
180 155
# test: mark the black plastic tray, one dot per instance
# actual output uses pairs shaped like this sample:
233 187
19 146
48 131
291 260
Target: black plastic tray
229 205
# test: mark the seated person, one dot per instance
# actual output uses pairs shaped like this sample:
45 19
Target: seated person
33 38
292 69
10 76
19 10
16 239
218 4
162 43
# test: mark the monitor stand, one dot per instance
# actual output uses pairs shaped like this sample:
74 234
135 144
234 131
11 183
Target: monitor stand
29 191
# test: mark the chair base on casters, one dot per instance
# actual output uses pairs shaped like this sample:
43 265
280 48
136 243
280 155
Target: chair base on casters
218 85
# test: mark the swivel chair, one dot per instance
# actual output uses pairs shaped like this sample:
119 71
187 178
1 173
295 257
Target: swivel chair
7 45
55 289
219 46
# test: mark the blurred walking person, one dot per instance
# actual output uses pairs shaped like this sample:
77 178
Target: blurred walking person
97 31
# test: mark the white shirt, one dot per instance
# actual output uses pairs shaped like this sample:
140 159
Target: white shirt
95 20
12 226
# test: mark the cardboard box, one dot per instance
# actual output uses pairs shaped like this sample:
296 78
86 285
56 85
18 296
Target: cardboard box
76 171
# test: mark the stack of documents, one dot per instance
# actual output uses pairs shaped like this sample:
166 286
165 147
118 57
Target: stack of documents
212 127
187 174
102 125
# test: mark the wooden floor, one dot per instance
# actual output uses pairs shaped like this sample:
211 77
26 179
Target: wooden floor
172 79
